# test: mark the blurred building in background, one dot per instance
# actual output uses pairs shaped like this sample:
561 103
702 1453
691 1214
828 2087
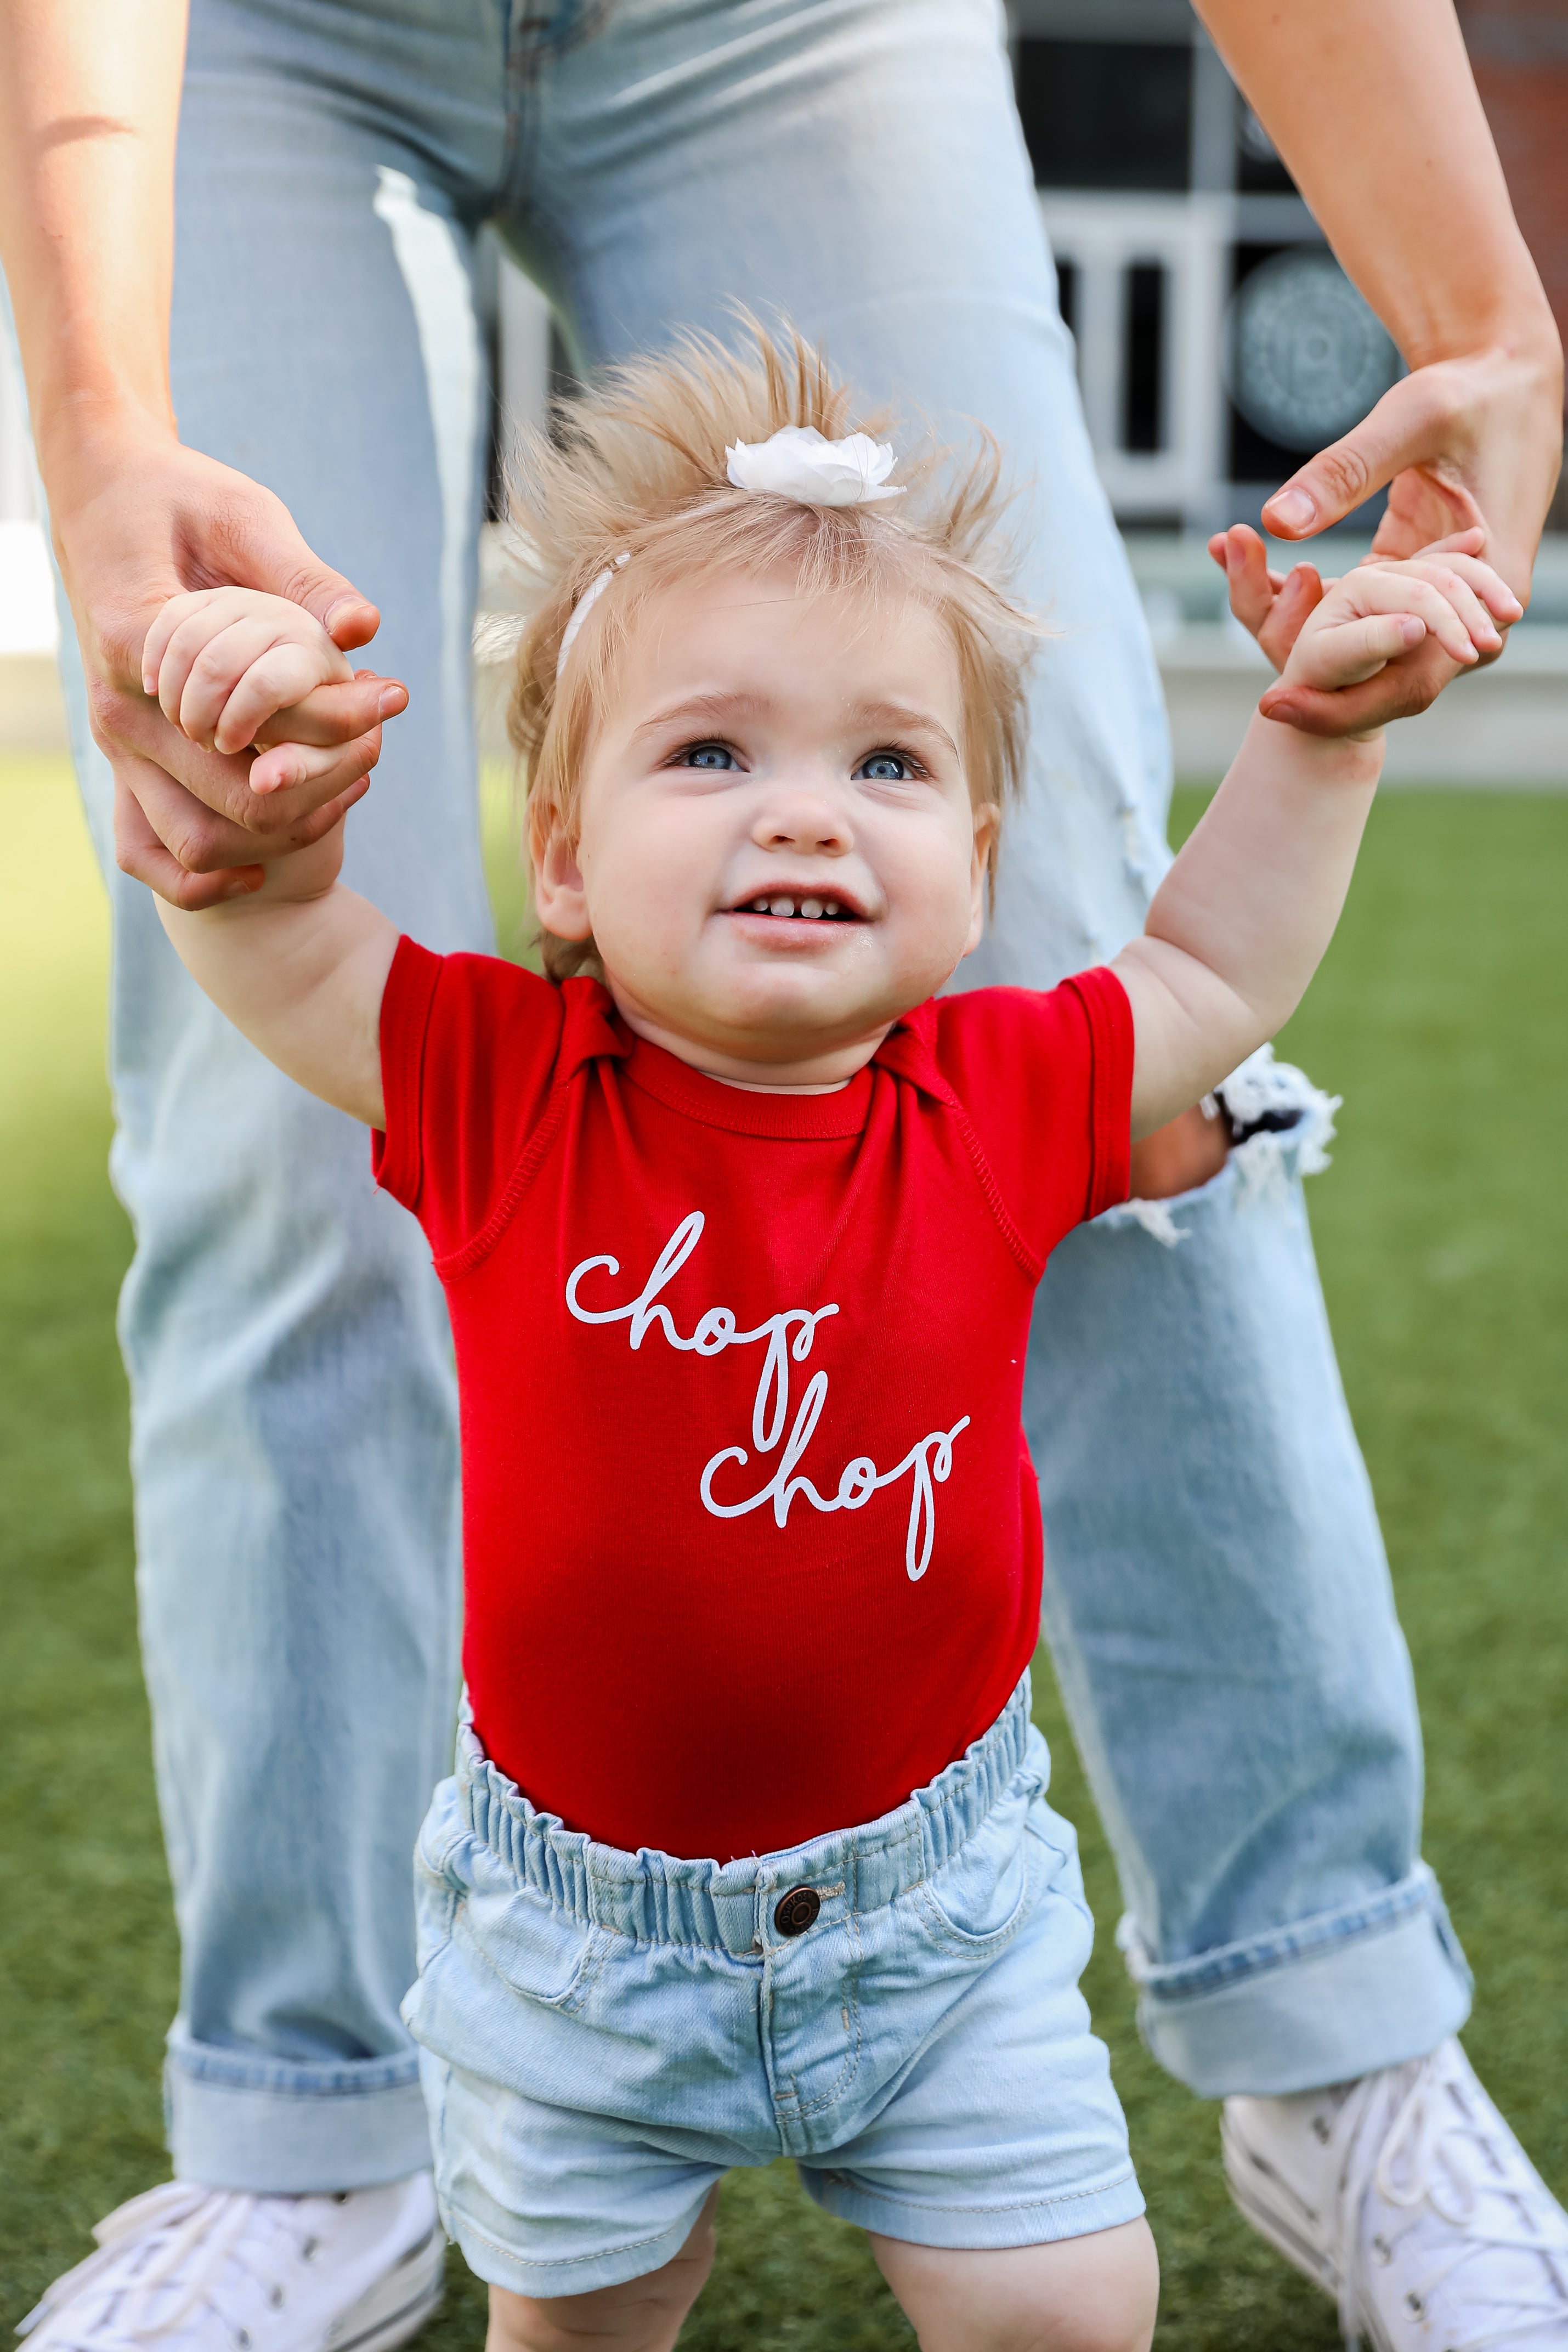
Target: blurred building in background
1219 341
1218 337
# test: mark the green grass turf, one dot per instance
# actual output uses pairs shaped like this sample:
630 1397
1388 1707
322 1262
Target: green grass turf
1443 1229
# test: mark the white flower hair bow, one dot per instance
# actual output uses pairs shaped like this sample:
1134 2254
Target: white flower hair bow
798 462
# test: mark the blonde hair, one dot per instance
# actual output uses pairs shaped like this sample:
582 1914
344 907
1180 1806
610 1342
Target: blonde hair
638 468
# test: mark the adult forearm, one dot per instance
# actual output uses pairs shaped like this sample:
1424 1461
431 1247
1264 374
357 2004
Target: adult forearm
90 98
1376 113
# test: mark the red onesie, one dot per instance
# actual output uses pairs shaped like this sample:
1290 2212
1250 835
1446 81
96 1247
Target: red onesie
752 1542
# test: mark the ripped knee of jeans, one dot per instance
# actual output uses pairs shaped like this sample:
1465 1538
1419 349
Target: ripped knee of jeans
1280 1124
1281 1127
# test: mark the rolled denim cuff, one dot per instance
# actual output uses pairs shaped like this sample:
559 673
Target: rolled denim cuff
1323 2001
272 2128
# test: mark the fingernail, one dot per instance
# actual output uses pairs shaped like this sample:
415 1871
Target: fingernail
1293 507
392 698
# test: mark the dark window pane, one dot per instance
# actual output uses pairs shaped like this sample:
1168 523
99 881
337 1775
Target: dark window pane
1258 170
1106 114
1067 294
1143 345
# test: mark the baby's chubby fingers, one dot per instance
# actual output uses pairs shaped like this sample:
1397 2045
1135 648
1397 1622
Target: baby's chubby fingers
1433 595
1344 653
1462 578
223 661
276 678
182 628
1478 598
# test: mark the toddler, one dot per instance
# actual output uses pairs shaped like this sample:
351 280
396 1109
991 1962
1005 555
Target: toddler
747 1848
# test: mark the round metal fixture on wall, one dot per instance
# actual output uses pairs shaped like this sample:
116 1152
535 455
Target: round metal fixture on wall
1305 357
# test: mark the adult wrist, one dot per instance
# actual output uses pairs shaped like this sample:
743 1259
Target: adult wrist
1519 329
81 435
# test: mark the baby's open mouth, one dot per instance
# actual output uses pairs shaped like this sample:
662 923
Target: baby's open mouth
816 908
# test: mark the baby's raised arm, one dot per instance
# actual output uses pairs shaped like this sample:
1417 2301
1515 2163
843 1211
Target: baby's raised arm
1242 920
300 963
299 967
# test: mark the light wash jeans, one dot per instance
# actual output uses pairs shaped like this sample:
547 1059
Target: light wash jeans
1218 1603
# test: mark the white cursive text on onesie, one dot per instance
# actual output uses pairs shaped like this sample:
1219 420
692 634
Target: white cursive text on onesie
788 1335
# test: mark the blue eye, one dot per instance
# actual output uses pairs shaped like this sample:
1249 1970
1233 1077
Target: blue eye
884 768
708 755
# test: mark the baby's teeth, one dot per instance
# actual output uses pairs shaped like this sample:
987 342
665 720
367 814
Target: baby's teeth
812 906
781 905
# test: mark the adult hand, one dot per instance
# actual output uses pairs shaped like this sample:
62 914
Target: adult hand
137 519
1469 450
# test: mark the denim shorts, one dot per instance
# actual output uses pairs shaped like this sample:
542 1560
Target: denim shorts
604 2034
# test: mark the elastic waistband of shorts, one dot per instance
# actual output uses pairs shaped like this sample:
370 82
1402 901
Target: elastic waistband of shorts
658 1898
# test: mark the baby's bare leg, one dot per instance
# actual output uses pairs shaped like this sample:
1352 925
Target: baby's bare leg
644 2316
1096 2294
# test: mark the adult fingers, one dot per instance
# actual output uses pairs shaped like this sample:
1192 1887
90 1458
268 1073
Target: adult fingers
1216 543
336 714
131 729
1409 427
1426 503
327 768
1300 595
1246 576
141 852
203 843
1471 541
1400 690
265 548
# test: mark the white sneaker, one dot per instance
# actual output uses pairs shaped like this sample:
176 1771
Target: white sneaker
1408 2200
183 2269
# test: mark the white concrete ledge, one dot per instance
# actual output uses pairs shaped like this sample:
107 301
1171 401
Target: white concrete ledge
1504 725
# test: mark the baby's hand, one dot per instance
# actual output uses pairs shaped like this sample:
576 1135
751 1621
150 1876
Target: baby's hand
226 664
1278 607
1374 619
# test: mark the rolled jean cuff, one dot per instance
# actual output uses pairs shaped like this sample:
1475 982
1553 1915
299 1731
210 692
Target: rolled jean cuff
1323 2001
273 2128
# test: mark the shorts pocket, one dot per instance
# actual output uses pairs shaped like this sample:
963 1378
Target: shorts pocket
978 1901
437 1888
535 1950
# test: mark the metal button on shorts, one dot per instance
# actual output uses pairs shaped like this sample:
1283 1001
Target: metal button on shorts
794 1913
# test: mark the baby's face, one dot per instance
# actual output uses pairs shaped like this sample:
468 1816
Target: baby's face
777 854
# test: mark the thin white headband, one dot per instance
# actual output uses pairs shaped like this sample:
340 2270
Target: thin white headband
796 462
584 605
